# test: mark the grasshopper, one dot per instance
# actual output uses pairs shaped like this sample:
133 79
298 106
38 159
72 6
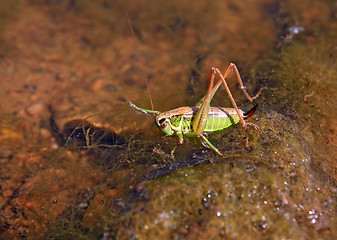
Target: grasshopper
202 119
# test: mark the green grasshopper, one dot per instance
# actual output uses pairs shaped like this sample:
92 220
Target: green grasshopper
202 119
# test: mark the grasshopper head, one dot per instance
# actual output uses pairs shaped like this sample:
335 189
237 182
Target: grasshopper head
164 125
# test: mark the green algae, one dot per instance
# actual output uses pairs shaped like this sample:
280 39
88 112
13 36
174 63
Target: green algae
310 74
304 83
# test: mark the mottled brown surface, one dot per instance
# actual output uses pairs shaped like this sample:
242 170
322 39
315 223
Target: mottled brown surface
69 63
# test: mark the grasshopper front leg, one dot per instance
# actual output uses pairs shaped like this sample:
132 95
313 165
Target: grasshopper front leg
181 141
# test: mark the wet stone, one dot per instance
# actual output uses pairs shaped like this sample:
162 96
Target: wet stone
236 196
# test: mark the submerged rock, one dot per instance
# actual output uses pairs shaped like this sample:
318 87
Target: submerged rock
270 193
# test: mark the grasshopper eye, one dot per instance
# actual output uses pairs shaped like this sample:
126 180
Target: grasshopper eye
163 123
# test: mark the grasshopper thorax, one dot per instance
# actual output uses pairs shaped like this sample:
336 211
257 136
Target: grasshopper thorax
176 121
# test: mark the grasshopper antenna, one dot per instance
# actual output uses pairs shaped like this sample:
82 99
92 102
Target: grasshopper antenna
138 53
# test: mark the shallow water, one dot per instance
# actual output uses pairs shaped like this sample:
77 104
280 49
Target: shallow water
78 162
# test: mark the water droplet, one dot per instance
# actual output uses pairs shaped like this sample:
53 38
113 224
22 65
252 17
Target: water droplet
260 225
295 30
